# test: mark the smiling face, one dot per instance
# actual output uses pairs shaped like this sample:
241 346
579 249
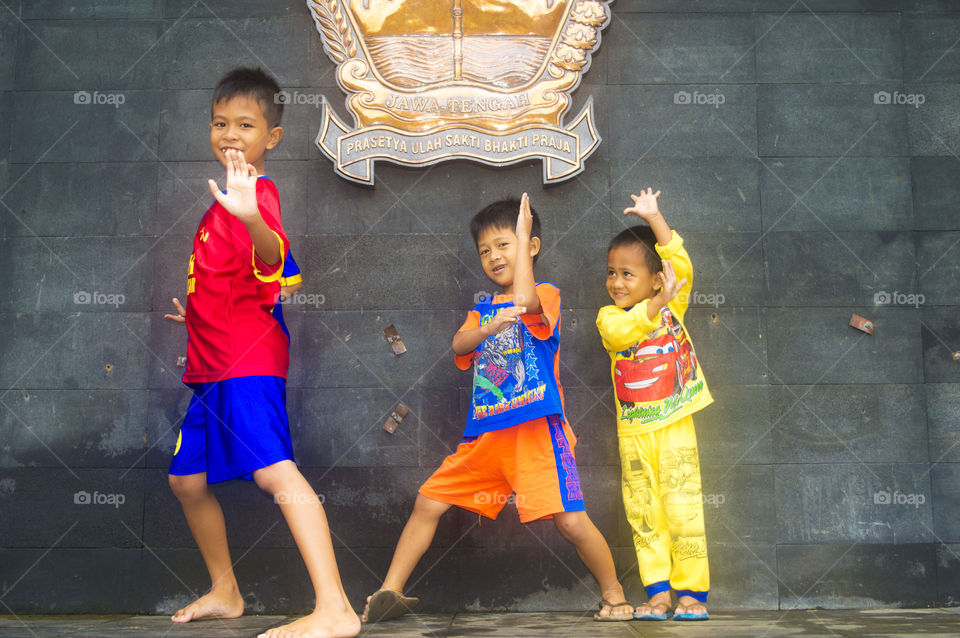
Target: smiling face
629 280
497 247
239 123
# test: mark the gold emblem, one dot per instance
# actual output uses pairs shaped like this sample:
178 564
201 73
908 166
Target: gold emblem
431 80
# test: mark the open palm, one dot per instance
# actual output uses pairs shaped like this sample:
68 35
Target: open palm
644 204
240 200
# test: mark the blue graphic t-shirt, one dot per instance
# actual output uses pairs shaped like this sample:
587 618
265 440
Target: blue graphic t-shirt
516 371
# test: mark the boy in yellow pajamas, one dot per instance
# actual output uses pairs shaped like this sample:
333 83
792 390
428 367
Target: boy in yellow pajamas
658 385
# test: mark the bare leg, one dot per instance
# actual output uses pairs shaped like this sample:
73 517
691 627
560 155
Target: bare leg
332 616
593 550
414 541
205 518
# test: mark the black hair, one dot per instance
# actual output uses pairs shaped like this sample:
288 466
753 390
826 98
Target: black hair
502 214
644 238
256 84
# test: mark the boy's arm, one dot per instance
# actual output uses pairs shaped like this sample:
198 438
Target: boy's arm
467 339
621 329
524 285
669 243
289 290
645 207
676 254
669 290
240 200
542 325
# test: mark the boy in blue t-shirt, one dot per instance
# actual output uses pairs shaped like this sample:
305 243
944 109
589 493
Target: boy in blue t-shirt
516 440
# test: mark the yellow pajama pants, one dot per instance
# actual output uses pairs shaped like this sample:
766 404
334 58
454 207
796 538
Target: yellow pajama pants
662 495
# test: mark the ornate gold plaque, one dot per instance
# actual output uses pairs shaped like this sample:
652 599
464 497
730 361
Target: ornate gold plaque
432 80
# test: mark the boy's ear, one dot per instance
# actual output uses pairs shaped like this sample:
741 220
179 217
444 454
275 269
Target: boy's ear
274 136
658 281
534 246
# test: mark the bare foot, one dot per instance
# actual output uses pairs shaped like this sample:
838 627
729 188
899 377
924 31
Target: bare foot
387 604
690 605
366 608
218 604
319 625
658 605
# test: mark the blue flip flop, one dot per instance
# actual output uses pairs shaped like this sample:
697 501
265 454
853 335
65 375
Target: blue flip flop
692 616
664 616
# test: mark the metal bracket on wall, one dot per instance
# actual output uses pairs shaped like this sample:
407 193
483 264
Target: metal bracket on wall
393 338
393 421
861 323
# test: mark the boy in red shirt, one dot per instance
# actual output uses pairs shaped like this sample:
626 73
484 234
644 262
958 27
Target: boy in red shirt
237 358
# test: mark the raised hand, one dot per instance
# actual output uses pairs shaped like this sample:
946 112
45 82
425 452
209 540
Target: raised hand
644 205
181 316
668 281
240 200
524 218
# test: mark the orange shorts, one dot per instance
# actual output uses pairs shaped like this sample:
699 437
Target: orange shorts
533 460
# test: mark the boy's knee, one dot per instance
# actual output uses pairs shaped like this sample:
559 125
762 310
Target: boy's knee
272 478
188 486
571 525
426 507
267 480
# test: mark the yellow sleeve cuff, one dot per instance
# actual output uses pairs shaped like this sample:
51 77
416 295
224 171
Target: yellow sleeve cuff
279 272
292 280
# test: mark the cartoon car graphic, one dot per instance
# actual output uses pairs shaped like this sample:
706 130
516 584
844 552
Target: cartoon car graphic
686 362
651 375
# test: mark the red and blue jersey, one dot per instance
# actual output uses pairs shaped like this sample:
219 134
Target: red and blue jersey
291 272
516 372
231 294
290 277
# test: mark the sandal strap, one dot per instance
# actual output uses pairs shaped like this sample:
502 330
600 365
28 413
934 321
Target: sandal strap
657 606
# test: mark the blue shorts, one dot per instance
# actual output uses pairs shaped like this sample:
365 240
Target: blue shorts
233 427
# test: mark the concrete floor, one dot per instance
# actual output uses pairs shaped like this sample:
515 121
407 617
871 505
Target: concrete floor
941 623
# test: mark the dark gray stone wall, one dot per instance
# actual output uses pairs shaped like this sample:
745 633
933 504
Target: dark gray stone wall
831 460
